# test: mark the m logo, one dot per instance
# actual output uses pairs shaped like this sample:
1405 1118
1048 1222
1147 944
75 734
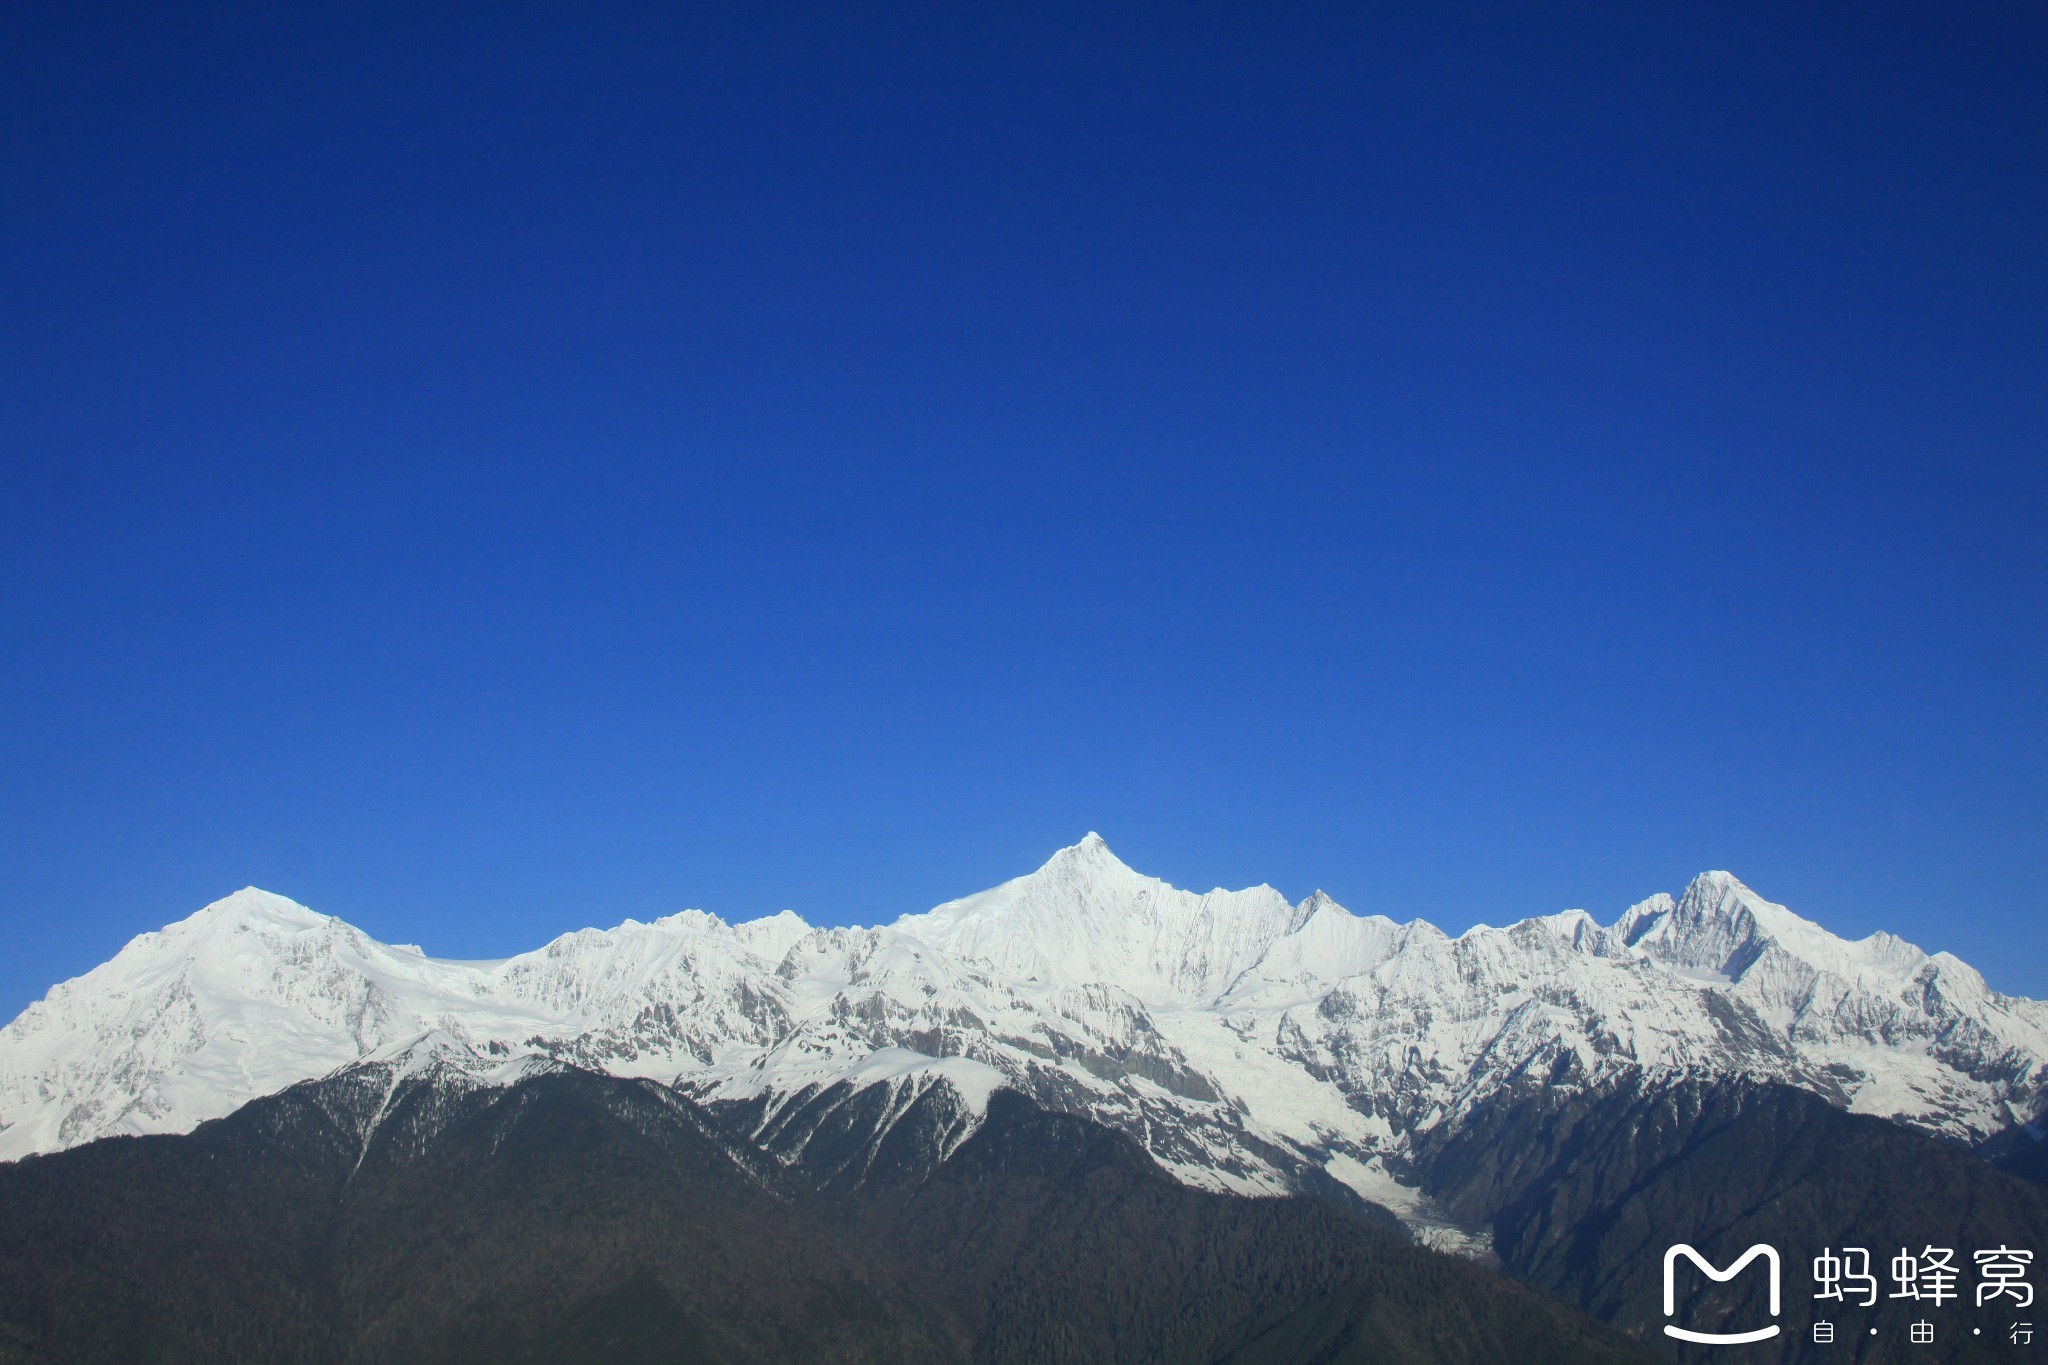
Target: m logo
1770 1255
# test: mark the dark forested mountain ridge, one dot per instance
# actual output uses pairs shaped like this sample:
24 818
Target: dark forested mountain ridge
2022 1150
1585 1192
421 1208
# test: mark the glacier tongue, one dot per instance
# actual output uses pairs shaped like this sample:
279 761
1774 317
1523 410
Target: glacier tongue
1251 1044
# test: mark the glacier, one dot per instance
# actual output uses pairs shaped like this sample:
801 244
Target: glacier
1252 1044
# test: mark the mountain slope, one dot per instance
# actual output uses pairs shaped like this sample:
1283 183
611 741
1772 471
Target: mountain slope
1585 1191
430 1206
1248 1044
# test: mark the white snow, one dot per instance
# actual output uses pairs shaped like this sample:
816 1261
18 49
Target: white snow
975 1081
1432 1227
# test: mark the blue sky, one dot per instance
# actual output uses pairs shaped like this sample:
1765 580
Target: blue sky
484 471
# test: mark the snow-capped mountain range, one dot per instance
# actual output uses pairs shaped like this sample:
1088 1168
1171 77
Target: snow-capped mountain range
1249 1043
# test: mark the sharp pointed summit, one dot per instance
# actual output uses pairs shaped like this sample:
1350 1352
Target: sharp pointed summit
253 906
1091 853
1085 916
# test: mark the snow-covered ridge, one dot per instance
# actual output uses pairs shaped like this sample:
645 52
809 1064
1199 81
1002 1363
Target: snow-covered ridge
1243 1038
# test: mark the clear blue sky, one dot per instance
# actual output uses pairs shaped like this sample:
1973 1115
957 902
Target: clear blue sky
486 470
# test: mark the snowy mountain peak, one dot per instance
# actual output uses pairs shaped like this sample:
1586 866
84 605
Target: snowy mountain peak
1642 917
252 906
1087 917
1317 902
774 935
1722 928
1089 861
1245 1040
1718 926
